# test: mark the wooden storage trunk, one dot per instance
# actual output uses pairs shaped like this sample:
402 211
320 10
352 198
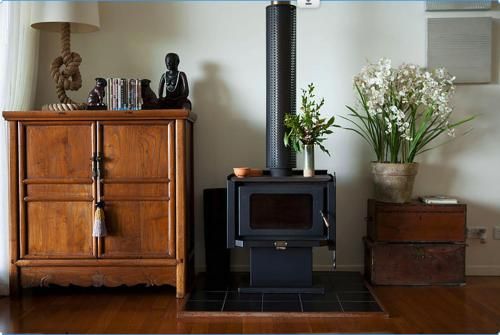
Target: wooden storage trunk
414 263
415 222
415 244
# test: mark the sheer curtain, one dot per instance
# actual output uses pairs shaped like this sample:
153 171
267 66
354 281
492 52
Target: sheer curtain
18 69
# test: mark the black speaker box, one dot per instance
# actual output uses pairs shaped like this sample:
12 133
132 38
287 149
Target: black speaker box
217 255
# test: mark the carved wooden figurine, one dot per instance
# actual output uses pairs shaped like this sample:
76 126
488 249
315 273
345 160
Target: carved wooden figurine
149 99
96 96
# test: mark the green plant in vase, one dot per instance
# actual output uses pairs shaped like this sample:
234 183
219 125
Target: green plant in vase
307 128
400 112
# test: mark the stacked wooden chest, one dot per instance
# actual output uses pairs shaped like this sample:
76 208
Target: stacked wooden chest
415 244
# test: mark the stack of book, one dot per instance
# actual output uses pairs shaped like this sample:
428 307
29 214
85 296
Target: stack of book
123 94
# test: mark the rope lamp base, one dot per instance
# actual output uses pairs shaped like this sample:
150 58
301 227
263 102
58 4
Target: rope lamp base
66 74
63 107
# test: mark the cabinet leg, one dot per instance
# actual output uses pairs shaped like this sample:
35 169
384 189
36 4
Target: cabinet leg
181 281
14 284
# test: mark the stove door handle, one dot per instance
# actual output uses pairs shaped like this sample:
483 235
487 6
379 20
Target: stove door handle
325 220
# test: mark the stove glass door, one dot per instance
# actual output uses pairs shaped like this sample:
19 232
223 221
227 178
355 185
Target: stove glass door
281 211
291 211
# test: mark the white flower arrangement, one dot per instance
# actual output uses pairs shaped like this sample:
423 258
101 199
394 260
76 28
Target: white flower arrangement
402 109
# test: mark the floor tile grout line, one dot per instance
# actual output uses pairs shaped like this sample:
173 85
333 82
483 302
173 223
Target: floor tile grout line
224 302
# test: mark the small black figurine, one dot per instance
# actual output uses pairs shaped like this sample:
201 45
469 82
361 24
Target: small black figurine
96 96
173 91
149 99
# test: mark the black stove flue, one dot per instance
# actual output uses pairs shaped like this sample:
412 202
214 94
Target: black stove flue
280 84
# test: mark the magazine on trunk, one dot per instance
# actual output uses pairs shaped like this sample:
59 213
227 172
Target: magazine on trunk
438 200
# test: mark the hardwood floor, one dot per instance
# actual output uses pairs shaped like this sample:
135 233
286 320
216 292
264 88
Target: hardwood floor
474 308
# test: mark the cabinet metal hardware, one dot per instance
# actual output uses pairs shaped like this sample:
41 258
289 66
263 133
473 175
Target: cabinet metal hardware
99 159
96 166
419 252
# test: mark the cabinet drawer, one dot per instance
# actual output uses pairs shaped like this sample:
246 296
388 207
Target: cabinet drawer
416 222
414 264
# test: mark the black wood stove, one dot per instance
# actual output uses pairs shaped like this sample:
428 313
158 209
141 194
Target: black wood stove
282 215
280 219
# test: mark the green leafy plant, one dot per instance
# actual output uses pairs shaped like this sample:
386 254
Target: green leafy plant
308 127
402 110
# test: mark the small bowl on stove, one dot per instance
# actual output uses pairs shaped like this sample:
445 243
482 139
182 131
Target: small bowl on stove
241 172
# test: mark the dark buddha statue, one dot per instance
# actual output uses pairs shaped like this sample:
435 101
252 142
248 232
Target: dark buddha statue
173 91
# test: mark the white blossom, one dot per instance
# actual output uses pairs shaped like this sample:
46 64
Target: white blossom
414 88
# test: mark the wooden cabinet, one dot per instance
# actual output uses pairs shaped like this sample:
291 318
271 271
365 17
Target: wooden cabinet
138 162
415 244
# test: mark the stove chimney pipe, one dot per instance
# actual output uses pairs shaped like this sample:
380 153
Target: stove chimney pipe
280 84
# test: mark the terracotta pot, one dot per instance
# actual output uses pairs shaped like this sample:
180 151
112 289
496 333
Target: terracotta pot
394 182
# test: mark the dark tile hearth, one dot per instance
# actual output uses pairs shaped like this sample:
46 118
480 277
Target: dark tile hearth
356 306
345 292
204 305
242 306
321 306
282 306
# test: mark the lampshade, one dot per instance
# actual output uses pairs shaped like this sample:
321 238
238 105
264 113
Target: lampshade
82 16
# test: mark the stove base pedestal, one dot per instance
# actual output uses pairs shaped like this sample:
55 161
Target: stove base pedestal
281 271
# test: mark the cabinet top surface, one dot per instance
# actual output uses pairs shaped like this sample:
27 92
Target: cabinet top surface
150 114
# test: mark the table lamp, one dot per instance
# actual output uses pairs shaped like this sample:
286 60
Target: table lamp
65 17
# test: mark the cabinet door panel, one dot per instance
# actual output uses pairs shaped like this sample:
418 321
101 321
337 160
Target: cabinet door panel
138 188
60 191
135 150
137 229
58 150
59 229
56 189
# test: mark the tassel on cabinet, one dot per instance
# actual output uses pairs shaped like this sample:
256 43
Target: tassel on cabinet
99 229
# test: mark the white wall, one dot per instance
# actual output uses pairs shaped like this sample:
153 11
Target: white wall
222 50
